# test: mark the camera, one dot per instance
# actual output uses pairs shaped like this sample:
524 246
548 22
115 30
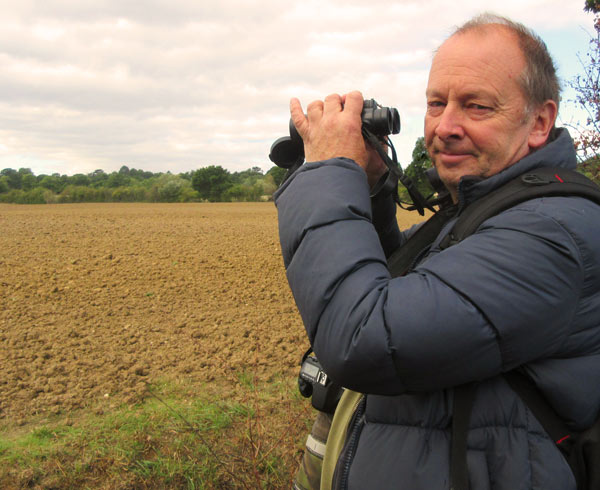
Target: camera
313 381
288 151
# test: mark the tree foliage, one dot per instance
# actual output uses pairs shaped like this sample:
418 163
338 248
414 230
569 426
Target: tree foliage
417 169
212 183
277 173
592 6
587 89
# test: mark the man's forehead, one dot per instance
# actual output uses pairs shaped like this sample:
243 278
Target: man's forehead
491 51
495 36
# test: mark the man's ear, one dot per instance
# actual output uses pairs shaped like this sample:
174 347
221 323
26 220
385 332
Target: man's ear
543 121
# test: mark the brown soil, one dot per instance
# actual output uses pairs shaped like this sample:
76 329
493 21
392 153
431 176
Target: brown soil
97 299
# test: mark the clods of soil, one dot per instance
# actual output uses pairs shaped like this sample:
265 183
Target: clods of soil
98 299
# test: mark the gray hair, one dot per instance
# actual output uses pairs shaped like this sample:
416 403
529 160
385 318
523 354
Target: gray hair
538 81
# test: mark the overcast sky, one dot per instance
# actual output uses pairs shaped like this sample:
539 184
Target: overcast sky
180 84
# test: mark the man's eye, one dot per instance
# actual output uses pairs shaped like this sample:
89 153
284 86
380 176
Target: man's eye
435 106
479 108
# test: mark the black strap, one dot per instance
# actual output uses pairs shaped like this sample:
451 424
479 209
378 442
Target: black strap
390 180
543 411
464 396
541 182
401 260
582 456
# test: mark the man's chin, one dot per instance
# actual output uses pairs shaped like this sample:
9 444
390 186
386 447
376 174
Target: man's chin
449 176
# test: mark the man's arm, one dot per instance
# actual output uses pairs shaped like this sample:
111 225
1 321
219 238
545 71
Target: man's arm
385 223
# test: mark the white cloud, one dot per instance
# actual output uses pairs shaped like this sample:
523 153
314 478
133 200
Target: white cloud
175 85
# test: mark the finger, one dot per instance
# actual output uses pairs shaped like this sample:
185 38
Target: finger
333 103
314 111
298 117
353 102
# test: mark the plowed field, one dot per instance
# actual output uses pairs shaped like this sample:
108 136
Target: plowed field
95 299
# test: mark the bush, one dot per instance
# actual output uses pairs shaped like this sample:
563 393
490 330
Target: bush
39 195
188 194
129 194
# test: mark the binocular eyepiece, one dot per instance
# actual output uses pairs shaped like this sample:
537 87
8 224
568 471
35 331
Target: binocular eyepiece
381 121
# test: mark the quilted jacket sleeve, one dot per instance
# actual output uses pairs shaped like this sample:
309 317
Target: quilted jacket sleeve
468 313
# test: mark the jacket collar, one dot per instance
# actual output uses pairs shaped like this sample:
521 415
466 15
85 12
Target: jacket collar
558 153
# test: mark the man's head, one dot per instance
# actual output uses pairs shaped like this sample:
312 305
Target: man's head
492 98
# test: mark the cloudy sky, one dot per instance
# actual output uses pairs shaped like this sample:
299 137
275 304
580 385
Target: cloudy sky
180 84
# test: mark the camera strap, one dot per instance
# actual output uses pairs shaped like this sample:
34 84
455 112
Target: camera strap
388 183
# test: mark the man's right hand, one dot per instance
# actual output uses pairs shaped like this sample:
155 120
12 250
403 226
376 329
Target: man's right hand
332 128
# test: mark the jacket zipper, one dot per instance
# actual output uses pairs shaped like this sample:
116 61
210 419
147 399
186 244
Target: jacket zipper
342 468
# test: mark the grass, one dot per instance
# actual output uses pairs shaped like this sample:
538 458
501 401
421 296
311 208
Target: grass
179 437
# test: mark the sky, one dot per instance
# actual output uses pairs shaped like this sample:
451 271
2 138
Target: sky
176 85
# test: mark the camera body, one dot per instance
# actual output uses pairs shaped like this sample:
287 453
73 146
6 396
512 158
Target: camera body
288 151
313 381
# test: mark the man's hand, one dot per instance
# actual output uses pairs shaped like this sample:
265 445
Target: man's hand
332 128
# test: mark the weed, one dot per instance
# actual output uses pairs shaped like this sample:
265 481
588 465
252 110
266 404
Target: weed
178 438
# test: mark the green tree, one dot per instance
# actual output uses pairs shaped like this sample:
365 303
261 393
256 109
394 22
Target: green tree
79 180
417 169
117 179
4 184
169 187
140 174
28 181
278 174
98 178
13 178
53 182
211 182
244 192
248 177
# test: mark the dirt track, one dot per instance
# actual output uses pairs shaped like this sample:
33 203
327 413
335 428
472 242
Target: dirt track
95 299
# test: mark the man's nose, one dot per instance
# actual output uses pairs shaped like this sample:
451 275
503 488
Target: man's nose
450 123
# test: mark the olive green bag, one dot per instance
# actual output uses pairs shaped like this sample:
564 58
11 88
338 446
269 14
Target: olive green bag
324 444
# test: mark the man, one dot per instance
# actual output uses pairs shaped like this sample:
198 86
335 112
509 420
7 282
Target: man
522 292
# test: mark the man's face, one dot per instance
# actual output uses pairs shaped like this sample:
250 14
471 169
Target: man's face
476 121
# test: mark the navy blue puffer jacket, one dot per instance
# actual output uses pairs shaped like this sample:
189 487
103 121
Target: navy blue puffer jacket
523 291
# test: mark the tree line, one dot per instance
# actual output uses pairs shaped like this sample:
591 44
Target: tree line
212 183
207 184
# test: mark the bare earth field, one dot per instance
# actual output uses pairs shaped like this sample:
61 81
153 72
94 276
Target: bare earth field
96 299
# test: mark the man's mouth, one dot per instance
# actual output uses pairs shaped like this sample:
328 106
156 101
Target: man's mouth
451 157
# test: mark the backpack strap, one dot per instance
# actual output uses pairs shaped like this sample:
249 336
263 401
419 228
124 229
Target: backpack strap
337 434
541 182
464 396
402 259
552 423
